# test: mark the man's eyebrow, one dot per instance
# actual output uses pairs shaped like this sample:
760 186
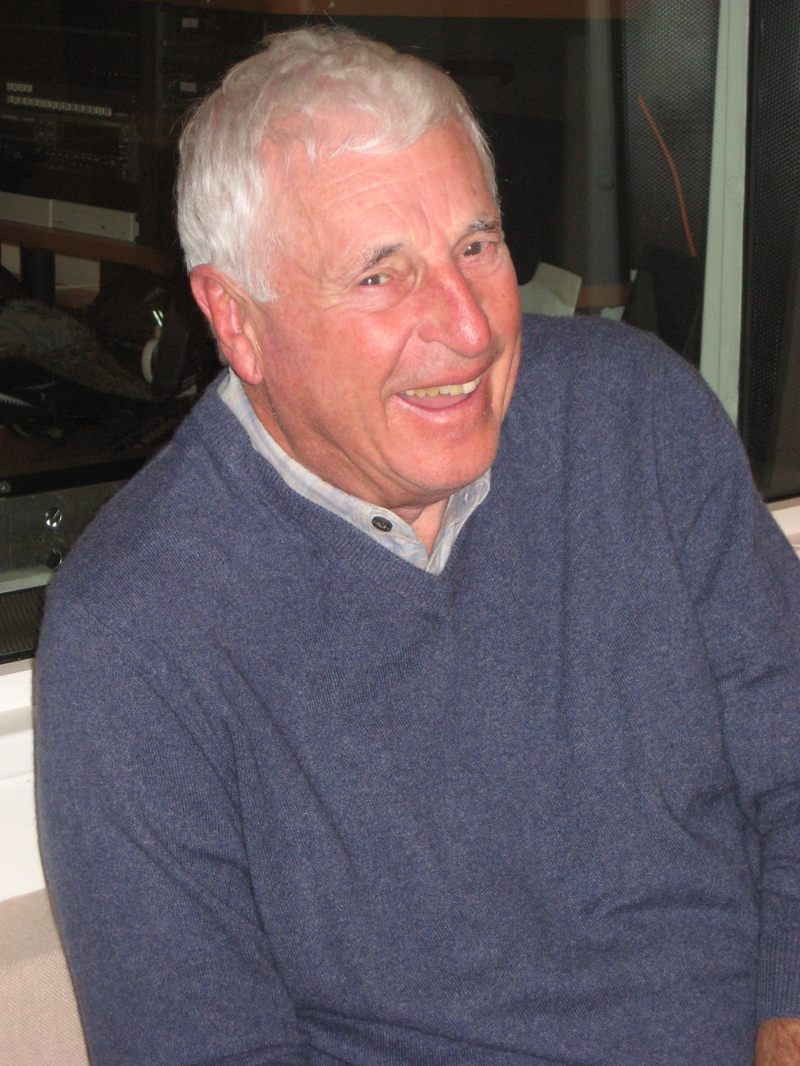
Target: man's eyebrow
373 256
485 224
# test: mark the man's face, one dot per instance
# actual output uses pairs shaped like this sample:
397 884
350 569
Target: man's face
388 360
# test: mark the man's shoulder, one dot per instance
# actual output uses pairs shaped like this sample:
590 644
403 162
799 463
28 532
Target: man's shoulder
153 540
605 376
614 405
594 350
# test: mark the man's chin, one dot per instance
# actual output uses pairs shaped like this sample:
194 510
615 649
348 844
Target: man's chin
437 481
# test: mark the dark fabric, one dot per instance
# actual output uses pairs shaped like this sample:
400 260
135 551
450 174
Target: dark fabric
301 802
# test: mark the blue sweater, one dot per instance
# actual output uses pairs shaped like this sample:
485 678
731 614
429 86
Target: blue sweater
301 802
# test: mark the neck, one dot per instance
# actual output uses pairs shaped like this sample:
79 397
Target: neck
426 522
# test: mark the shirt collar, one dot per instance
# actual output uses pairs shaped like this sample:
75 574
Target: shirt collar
378 523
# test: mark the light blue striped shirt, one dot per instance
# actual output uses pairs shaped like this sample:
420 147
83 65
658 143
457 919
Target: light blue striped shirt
391 531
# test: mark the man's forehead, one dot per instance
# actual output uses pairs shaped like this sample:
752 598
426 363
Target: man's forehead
293 162
372 205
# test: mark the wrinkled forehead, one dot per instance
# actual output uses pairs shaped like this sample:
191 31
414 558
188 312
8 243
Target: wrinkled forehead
440 174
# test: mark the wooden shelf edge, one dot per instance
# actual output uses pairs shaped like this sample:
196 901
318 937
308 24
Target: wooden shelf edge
499 9
85 246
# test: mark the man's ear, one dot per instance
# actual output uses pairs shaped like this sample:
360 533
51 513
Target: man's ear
229 311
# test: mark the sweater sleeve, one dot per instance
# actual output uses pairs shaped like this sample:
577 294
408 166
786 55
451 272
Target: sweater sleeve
744 579
145 861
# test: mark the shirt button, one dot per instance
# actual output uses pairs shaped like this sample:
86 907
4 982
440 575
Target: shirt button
381 523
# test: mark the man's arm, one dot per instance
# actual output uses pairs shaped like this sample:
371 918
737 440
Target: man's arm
744 580
778 1043
145 858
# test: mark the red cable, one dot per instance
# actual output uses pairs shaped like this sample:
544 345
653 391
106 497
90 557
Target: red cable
687 229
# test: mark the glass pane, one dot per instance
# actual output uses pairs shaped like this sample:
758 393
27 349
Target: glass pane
600 116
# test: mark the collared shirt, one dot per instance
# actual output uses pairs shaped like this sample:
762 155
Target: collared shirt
379 523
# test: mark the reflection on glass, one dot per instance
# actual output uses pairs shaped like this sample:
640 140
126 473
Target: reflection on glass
601 128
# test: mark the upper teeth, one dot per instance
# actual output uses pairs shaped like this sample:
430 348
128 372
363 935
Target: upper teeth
445 390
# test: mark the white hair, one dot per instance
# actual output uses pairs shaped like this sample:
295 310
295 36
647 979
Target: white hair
307 86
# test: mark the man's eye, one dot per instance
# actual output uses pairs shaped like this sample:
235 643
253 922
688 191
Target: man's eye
374 279
482 248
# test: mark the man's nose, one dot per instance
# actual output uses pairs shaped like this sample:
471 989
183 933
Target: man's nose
451 314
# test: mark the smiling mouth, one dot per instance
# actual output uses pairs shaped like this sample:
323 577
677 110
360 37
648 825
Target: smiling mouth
445 390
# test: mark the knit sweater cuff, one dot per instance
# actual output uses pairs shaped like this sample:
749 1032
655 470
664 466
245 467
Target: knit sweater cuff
779 960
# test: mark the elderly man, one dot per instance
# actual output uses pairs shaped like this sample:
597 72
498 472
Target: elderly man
347 754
